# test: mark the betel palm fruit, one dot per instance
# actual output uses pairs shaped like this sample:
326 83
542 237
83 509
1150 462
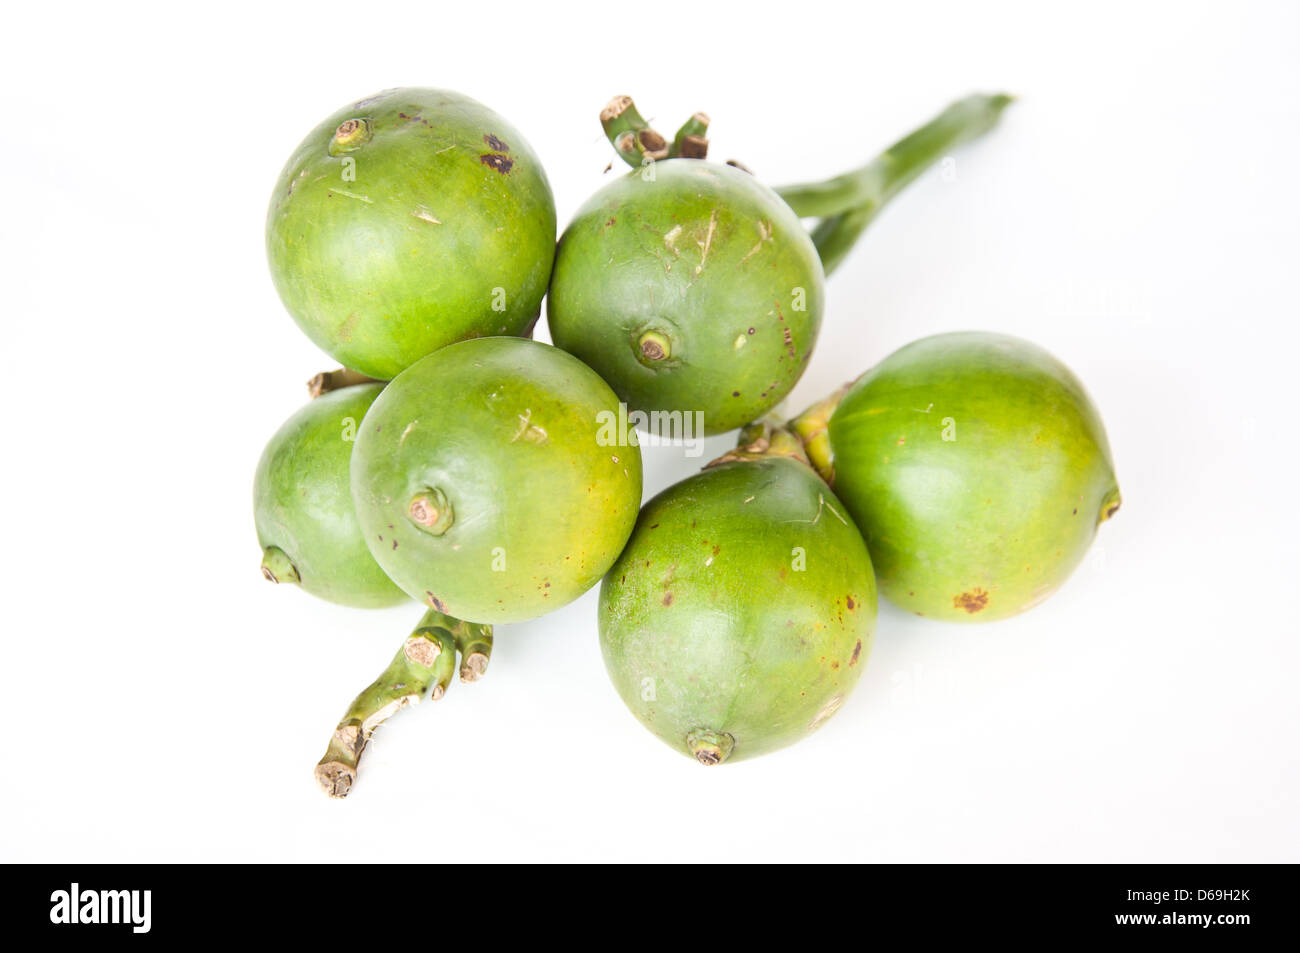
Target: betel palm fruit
741 612
699 291
692 287
302 504
488 481
976 467
407 221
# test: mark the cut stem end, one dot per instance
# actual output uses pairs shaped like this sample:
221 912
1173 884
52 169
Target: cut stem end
327 381
431 511
335 778
653 347
351 134
277 567
1110 505
710 747
474 667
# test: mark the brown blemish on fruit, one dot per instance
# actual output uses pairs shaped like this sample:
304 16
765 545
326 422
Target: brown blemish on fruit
493 160
495 144
434 601
848 601
972 601
668 598
857 651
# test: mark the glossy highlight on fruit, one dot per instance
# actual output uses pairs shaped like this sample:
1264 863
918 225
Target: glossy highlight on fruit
484 483
978 470
689 287
741 613
302 504
408 221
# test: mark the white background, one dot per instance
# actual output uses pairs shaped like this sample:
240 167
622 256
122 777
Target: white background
1136 214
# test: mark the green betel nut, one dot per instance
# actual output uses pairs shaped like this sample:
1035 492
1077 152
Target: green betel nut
485 469
978 470
741 613
302 504
694 290
408 221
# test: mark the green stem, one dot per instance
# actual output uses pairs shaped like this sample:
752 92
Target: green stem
424 664
629 133
327 381
811 429
475 643
763 440
886 175
848 203
835 237
444 670
691 141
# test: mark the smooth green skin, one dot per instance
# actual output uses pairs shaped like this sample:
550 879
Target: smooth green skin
622 269
990 523
508 429
302 502
360 264
707 627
